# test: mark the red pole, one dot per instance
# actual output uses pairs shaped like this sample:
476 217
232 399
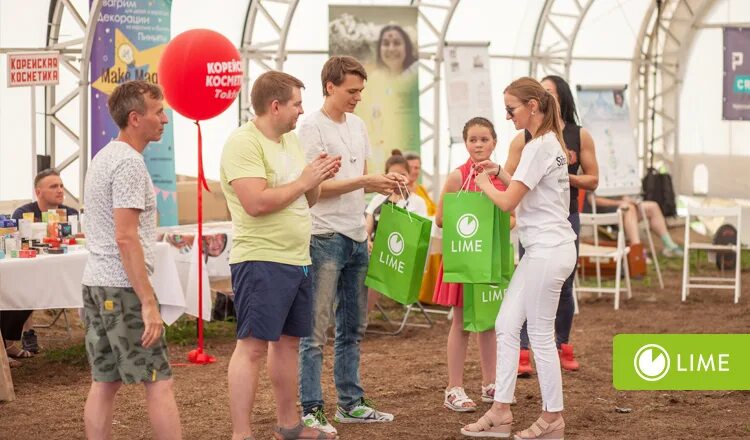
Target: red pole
197 356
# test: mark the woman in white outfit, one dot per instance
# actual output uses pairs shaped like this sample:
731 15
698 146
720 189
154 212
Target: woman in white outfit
539 191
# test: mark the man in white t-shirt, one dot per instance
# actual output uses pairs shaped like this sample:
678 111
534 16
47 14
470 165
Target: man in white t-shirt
124 331
338 247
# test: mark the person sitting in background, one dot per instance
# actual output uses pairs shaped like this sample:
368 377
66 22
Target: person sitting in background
435 255
50 194
11 327
410 201
632 216
415 169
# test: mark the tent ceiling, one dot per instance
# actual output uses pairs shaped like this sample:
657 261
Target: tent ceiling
547 36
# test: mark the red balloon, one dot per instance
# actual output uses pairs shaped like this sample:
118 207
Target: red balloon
201 73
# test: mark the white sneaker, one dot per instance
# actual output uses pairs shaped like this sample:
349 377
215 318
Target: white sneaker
317 420
363 412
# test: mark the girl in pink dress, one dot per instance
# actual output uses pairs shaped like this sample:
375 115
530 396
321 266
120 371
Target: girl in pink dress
480 139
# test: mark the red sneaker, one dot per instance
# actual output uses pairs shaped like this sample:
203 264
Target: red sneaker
567 360
524 364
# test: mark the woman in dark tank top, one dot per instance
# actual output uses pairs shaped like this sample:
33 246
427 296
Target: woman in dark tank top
582 159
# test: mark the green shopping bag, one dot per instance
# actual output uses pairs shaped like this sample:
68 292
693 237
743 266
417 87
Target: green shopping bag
474 233
482 301
398 254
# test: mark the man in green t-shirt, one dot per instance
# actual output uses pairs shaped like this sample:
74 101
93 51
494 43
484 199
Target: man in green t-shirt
269 189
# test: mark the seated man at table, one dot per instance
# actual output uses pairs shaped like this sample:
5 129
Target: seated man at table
11 326
50 194
125 340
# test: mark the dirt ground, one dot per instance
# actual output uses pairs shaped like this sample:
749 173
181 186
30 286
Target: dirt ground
406 375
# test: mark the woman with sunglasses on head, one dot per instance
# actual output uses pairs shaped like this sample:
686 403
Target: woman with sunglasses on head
584 174
539 191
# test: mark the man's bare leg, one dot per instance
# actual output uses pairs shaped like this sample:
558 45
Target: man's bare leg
99 409
162 410
244 373
283 358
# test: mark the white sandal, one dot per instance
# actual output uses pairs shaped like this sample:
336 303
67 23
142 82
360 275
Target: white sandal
456 400
488 394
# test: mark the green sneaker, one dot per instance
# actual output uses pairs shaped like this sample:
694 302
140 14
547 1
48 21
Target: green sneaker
363 412
673 252
317 420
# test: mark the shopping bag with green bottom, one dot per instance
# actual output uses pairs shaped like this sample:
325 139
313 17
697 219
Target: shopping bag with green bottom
482 301
398 254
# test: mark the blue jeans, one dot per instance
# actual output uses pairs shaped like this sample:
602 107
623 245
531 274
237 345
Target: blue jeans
338 276
566 306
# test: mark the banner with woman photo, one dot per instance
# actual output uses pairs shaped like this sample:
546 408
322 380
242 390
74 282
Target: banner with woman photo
384 40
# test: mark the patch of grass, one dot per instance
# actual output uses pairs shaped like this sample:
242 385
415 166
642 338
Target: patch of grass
72 355
185 331
699 259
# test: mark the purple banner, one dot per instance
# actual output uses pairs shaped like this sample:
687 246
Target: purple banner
736 74
129 39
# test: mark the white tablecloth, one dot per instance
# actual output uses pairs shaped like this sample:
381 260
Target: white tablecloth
185 254
217 265
54 282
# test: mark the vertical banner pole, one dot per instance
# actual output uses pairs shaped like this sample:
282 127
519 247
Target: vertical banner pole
34 171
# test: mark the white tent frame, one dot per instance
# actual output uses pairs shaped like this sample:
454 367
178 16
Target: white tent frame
656 75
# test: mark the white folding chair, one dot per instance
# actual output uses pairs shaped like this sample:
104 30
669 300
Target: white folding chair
690 282
618 254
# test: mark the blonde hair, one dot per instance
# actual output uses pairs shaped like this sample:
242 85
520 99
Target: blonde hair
527 89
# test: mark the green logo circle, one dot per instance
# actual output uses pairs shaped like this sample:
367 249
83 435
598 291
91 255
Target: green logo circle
651 362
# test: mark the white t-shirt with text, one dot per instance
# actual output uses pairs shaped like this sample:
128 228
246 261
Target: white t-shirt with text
542 215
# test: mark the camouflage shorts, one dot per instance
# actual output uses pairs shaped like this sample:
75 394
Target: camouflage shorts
114 327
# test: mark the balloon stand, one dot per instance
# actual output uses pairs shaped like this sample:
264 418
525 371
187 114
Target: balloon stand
197 356
200 72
